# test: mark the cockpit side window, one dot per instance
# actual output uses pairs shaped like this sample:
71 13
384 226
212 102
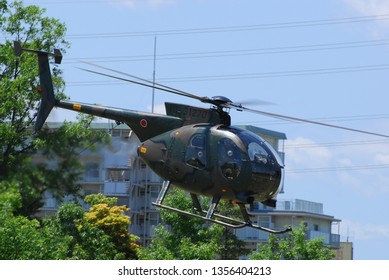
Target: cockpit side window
230 158
196 153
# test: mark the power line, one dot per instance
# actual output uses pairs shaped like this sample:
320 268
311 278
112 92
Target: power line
334 144
70 2
239 28
261 75
244 52
337 168
323 119
276 74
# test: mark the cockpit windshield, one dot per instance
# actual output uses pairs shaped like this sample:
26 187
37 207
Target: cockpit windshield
257 152
258 149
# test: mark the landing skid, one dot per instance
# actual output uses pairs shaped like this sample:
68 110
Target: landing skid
210 215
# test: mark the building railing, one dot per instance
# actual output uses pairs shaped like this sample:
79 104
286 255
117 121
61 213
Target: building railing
335 240
145 175
116 188
291 205
90 179
254 235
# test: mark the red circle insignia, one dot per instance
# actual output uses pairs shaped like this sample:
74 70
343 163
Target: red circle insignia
143 123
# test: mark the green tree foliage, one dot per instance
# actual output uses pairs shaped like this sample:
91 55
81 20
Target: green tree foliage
111 219
19 77
293 246
19 101
99 198
190 238
86 241
69 234
22 238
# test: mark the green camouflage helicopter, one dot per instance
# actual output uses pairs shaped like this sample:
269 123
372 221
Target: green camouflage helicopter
193 148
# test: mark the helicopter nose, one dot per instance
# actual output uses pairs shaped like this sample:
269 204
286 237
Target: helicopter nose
152 153
266 179
144 153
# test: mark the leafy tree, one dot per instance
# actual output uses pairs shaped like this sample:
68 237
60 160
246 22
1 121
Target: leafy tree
99 198
10 198
190 238
19 77
293 246
22 238
110 218
19 101
69 234
86 241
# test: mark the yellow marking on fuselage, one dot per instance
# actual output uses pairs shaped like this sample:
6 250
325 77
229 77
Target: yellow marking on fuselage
77 107
143 150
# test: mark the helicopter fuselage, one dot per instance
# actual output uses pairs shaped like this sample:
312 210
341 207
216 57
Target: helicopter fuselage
216 160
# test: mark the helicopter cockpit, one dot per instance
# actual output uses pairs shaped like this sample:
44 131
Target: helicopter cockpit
258 150
266 166
262 151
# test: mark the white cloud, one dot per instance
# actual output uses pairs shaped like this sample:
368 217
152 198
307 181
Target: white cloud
357 168
369 7
358 231
302 152
372 8
381 158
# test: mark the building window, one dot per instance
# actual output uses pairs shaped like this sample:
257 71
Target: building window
118 175
122 201
92 170
264 221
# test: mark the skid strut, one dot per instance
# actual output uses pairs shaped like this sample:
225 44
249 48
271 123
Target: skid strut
210 215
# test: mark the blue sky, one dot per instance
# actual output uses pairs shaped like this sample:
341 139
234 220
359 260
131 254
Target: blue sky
326 60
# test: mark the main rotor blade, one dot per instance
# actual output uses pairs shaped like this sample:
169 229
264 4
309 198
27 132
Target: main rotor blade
150 83
253 101
239 107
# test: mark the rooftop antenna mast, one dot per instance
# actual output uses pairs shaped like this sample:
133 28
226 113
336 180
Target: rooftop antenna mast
155 58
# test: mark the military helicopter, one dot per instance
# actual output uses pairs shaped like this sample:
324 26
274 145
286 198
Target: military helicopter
190 147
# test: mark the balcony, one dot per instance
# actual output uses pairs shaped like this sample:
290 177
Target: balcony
329 239
254 235
116 188
146 175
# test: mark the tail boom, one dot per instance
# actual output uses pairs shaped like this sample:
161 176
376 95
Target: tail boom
144 125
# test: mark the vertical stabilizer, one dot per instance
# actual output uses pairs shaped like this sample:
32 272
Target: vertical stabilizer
46 84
